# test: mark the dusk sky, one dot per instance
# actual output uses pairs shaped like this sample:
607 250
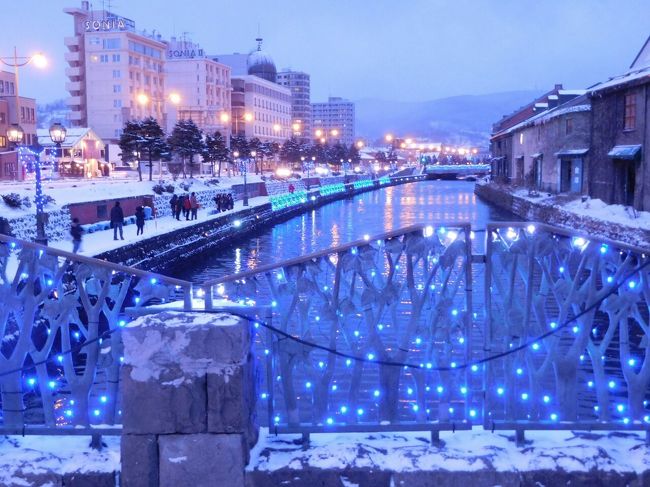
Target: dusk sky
413 50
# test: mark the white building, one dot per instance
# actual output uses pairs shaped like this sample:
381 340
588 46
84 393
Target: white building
198 87
115 74
333 120
299 84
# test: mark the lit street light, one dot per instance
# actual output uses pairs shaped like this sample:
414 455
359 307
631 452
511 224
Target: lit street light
57 134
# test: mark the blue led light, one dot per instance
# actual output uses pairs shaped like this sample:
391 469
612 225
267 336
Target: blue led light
610 279
631 362
500 391
590 383
524 396
68 413
418 340
554 417
620 408
51 384
96 412
330 421
59 358
561 269
308 385
103 399
343 409
122 323
264 395
472 413
376 393
334 388
546 399
535 346
360 412
153 280
474 368
348 362
276 419
520 371
454 312
371 356
611 384
463 390
415 407
553 324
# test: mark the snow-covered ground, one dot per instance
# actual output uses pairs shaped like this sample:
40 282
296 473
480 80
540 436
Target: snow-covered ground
466 451
102 241
24 458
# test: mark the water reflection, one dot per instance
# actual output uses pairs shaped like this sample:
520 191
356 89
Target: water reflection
349 219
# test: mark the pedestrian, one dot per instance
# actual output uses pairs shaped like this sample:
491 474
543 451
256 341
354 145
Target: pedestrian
292 188
139 220
217 201
187 206
117 220
179 207
231 202
194 203
76 230
5 228
172 203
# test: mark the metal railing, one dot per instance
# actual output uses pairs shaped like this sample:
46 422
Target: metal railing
59 321
407 330
593 299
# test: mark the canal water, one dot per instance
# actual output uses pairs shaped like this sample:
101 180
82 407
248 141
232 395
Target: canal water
346 220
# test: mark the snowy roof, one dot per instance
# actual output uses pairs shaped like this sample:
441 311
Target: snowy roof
624 152
547 115
571 92
642 59
629 76
571 152
74 135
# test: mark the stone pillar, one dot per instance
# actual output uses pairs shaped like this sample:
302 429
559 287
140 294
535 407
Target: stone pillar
189 391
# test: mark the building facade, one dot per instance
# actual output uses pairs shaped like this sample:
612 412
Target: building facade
621 131
266 104
198 87
334 119
115 74
299 84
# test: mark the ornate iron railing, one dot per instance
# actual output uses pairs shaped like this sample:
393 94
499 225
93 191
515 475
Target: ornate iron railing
593 299
400 298
59 322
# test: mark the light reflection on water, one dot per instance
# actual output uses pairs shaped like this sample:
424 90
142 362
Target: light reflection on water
346 220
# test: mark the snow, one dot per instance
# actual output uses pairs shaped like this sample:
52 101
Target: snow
467 451
631 75
22 457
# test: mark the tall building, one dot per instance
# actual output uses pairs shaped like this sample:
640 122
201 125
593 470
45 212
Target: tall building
115 74
335 119
260 107
197 86
267 104
298 83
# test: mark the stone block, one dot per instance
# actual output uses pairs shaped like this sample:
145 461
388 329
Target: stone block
21 478
232 399
164 406
201 460
139 460
89 479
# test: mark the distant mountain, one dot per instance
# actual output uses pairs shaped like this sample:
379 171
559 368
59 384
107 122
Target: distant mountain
465 119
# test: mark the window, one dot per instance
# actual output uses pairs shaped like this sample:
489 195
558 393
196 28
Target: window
117 88
3 118
568 126
117 74
629 122
116 58
521 139
111 43
3 140
117 103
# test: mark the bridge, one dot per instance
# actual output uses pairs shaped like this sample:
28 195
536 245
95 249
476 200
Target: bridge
387 333
455 171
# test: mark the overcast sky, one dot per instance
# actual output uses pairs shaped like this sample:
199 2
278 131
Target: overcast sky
409 50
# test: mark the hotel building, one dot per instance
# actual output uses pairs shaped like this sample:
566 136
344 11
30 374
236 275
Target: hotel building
336 116
198 87
298 83
115 74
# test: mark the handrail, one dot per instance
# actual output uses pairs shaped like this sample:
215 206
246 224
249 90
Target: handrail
567 233
93 261
331 250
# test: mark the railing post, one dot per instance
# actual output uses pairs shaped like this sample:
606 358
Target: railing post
187 299
208 298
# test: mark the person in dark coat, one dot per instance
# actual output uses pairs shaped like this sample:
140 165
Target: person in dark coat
172 203
179 207
117 220
76 230
217 201
187 206
231 202
139 220
194 205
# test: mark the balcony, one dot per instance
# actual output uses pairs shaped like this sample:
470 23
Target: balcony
73 56
74 101
72 42
73 86
76 115
71 72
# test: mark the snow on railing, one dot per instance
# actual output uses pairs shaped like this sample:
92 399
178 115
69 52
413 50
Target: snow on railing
385 312
59 321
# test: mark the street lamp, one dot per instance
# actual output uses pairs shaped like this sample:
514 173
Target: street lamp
15 135
244 169
57 134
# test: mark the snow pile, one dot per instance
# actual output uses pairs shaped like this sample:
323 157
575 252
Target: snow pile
28 456
595 208
23 225
466 451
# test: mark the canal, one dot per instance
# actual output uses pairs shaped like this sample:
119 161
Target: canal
349 219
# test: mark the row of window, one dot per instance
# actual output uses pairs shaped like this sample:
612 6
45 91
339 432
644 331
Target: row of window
270 105
7 87
27 115
146 50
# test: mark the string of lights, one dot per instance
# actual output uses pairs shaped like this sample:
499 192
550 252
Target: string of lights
370 358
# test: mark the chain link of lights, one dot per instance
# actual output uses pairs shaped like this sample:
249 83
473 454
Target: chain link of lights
332 189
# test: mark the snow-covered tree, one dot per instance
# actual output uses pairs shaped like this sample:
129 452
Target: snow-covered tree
186 140
131 143
152 142
216 150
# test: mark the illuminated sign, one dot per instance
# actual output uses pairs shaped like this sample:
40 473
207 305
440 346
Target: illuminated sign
113 23
184 53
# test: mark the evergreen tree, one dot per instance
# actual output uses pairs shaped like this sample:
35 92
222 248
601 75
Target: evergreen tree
254 145
353 153
131 143
291 150
153 142
186 141
216 150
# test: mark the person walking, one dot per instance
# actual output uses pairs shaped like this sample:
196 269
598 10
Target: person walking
194 205
179 207
76 230
231 202
117 220
139 220
172 203
187 206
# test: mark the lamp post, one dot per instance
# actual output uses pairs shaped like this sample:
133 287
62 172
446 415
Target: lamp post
15 135
57 134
